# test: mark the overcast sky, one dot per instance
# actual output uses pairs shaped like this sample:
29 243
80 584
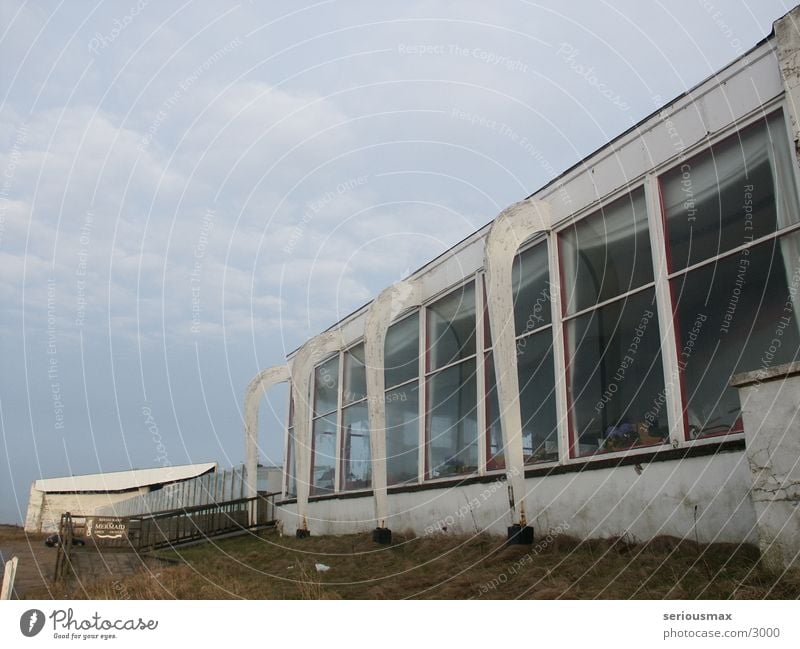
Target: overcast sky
190 191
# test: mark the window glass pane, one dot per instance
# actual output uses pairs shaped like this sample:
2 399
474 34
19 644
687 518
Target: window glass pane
355 375
487 329
356 465
537 397
616 382
291 470
401 351
326 385
733 316
323 466
495 456
531 285
402 434
725 197
451 327
606 254
452 423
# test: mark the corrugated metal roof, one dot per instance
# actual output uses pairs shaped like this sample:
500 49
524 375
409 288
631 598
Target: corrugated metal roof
124 480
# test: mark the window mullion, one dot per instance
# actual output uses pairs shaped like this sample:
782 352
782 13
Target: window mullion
286 463
562 413
422 392
480 378
669 355
339 444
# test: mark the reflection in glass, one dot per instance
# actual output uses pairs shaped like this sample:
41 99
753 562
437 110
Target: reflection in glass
451 327
616 382
326 386
402 434
495 456
452 425
537 397
356 465
734 316
355 375
726 197
323 459
531 286
606 254
401 355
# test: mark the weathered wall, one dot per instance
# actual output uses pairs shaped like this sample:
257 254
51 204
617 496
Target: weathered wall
770 408
704 498
45 509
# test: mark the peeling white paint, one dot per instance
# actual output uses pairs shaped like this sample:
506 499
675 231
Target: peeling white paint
301 372
391 302
262 382
510 230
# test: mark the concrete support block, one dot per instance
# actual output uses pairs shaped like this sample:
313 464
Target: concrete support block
771 415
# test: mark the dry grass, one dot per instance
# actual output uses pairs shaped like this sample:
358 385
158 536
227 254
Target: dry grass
453 567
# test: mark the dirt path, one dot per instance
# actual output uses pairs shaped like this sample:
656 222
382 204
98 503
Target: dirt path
36 560
91 564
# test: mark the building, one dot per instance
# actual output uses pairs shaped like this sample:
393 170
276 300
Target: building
90 494
570 365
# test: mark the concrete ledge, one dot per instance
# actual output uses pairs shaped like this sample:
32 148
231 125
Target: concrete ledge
765 374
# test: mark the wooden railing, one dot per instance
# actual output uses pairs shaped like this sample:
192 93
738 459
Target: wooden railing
202 521
64 549
161 529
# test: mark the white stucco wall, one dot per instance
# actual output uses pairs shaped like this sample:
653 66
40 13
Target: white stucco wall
660 500
45 509
771 416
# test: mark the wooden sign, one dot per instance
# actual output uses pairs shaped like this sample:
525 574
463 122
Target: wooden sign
106 528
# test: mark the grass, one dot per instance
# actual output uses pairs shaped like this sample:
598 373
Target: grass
451 567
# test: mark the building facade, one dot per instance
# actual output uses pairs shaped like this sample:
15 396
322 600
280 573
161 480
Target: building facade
106 493
569 366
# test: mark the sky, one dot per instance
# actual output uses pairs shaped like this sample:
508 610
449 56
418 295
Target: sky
189 191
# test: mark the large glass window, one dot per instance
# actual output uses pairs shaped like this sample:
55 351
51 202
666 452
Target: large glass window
615 376
451 327
534 347
356 465
537 397
495 451
451 424
530 276
326 387
535 371
739 190
401 352
616 381
323 465
606 254
401 374
402 434
355 375
733 316
734 312
324 427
